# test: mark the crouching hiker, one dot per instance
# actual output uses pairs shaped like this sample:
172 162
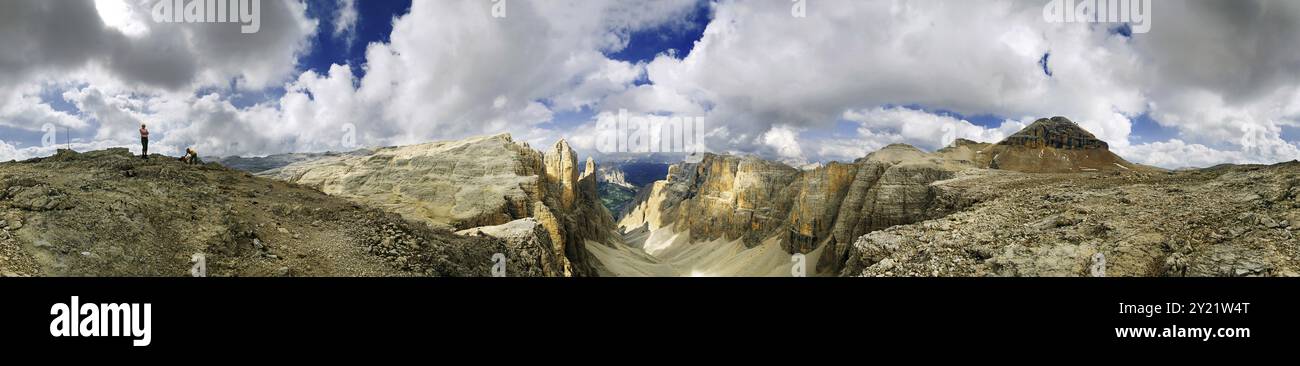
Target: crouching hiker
191 157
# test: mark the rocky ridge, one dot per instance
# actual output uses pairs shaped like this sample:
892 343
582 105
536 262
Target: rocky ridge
109 213
477 182
853 212
1230 221
1048 201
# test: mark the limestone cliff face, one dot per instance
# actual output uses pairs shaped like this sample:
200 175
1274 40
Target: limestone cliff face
753 200
819 197
562 169
827 208
737 198
614 176
883 195
476 182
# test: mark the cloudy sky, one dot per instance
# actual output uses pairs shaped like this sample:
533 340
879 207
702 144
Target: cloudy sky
1211 82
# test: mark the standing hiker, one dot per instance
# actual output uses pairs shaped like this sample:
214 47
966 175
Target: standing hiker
144 142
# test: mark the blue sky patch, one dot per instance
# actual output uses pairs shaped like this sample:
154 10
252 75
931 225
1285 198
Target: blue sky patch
53 95
374 24
680 37
1291 133
1146 130
1043 62
985 120
1125 30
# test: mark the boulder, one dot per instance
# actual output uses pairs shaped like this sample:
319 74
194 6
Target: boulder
529 248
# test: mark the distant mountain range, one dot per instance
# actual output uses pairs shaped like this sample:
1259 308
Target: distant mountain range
1050 200
261 164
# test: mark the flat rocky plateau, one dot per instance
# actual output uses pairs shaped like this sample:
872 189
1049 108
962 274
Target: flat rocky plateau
1226 221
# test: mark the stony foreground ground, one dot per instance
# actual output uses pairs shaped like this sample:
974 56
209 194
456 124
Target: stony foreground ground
1223 221
108 213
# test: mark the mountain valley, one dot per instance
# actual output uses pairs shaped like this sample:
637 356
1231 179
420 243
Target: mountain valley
1050 200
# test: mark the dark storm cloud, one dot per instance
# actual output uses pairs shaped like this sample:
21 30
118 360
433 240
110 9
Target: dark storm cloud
1239 49
41 36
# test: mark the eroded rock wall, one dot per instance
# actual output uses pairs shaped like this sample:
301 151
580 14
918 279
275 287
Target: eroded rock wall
476 182
752 199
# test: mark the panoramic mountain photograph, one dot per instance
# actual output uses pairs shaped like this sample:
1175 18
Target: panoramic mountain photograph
670 138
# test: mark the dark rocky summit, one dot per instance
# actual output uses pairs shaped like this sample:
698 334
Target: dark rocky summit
1049 145
1055 132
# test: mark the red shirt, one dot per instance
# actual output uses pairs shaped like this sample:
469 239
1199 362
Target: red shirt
144 133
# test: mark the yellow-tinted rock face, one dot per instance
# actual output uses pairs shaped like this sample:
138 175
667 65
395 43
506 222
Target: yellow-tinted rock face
562 168
826 209
821 193
752 200
555 234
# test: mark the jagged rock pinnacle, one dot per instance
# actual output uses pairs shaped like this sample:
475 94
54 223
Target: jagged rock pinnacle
590 168
562 168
